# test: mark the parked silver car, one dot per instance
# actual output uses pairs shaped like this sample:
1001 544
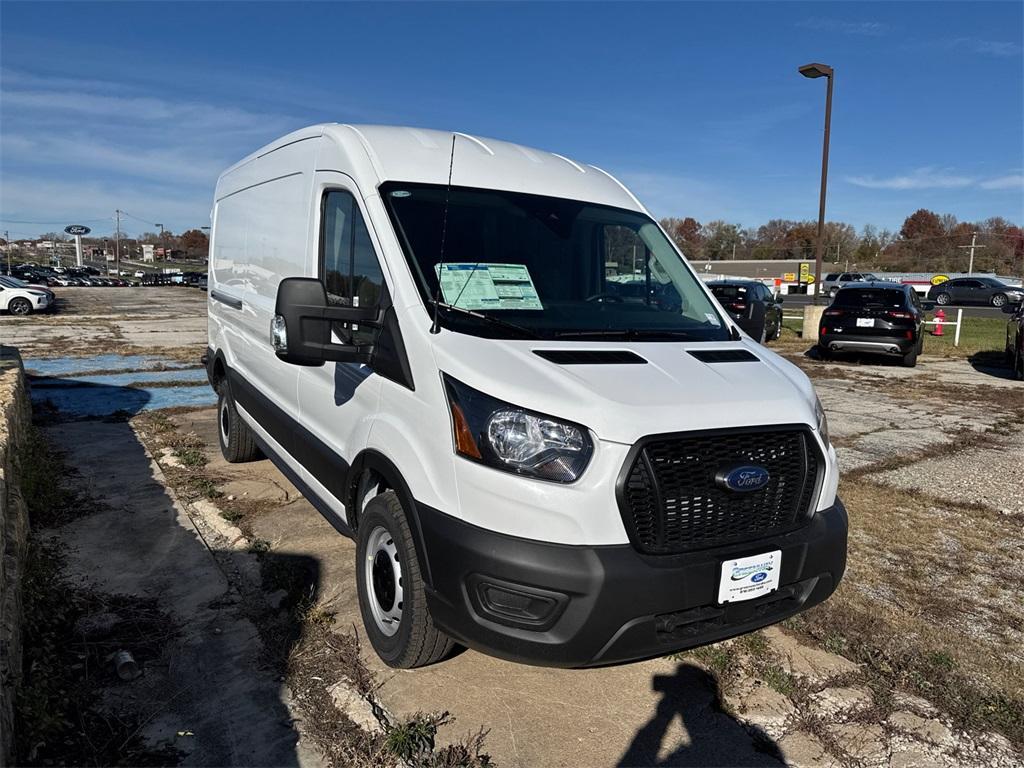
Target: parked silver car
833 281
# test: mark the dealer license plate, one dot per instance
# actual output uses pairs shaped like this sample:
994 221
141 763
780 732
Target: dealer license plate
748 577
865 322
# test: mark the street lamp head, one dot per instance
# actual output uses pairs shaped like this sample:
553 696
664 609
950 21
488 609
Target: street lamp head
816 70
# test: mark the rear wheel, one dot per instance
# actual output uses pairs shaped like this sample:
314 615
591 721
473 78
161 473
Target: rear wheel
910 359
824 352
944 299
392 599
237 440
19 306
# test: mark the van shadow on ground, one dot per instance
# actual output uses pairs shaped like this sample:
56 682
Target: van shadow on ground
714 737
214 691
993 364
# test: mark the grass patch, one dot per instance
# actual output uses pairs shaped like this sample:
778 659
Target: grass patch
923 606
51 489
190 456
978 335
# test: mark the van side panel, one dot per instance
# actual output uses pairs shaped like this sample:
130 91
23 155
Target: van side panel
261 222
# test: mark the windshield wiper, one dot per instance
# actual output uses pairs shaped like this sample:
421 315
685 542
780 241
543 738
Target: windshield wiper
627 333
490 319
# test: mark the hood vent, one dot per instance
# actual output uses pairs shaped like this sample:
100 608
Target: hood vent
590 356
724 356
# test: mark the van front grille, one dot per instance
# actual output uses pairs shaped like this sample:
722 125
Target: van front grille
671 502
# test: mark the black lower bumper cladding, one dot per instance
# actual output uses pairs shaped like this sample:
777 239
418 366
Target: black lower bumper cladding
578 606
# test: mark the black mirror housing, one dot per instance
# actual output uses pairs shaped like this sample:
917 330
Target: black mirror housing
300 332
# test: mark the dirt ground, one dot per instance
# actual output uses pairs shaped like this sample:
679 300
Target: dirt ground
916 659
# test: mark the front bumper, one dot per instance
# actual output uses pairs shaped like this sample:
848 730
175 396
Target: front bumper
577 606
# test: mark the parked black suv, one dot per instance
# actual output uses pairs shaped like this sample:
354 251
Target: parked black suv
879 317
752 305
975 290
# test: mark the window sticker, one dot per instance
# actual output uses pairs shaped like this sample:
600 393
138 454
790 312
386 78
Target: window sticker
487 286
712 319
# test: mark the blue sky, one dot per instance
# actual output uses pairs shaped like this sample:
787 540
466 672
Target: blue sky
698 107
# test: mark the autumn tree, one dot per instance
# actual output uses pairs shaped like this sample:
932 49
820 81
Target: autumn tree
721 240
195 241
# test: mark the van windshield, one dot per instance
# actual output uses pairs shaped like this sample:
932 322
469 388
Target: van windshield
531 266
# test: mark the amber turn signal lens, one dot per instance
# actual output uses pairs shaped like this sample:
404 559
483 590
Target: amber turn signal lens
464 442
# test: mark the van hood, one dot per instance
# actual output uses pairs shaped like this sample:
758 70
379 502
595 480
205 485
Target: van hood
672 390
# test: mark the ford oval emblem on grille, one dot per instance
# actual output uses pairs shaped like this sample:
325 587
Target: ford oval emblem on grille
743 479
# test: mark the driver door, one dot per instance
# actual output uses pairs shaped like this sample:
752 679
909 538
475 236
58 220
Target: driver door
338 401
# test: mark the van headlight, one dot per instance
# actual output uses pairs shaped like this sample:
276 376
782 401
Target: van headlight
819 415
514 439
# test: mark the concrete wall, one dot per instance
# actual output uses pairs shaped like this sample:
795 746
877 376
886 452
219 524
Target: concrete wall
15 420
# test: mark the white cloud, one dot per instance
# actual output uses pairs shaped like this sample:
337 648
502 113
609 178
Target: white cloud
865 28
1013 181
184 164
921 178
998 48
935 178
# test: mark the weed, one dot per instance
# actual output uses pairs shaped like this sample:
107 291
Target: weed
259 546
59 718
232 515
206 488
190 456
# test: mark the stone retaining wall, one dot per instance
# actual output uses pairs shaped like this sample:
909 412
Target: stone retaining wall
15 420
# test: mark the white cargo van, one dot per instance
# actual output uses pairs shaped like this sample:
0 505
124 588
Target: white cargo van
489 365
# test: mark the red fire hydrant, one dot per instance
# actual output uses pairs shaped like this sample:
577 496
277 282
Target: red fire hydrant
940 317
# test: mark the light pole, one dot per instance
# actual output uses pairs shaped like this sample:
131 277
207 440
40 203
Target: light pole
813 71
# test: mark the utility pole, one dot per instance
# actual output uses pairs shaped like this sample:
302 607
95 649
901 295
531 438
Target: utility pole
7 240
972 246
734 250
163 240
117 243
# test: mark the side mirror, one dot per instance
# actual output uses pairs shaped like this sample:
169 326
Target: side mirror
300 332
927 306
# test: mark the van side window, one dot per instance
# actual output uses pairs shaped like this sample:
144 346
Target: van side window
349 265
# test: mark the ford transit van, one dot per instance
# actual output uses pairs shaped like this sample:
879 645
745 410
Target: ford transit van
490 366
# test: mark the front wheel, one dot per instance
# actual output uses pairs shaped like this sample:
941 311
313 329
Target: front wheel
19 306
237 440
392 598
999 300
943 299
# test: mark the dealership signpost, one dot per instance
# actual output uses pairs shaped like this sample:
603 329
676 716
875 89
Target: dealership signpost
77 230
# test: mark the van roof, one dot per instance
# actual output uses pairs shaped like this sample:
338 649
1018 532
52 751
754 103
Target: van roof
397 153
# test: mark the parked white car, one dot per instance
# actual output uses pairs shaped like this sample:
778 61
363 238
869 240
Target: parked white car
424 332
22 301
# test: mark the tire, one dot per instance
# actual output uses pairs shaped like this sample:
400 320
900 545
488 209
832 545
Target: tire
764 335
1018 366
944 299
237 440
392 600
19 306
824 352
778 331
910 359
999 300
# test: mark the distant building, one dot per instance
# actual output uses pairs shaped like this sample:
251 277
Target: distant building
147 252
